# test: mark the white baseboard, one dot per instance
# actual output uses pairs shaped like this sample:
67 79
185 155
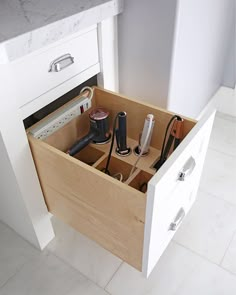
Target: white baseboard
224 101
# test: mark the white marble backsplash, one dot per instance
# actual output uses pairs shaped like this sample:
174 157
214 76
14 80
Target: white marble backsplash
27 25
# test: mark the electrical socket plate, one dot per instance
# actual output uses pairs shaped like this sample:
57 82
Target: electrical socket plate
61 118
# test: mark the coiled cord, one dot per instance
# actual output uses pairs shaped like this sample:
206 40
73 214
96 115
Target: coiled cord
90 89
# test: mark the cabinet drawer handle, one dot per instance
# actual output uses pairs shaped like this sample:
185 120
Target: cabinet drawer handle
61 63
187 169
178 218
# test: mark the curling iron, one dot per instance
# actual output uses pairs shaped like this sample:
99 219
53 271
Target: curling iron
150 123
146 136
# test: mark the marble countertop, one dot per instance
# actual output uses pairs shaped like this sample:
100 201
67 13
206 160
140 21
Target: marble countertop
27 25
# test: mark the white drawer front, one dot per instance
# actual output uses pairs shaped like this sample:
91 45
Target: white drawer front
35 79
167 195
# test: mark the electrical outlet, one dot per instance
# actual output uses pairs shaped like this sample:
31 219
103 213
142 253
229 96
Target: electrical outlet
61 118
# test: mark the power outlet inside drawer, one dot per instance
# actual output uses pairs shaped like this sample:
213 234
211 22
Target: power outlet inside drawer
61 118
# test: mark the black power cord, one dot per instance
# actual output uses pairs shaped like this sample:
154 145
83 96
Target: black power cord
162 157
143 187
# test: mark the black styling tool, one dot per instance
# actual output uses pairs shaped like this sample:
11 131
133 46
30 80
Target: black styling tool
99 131
121 135
175 136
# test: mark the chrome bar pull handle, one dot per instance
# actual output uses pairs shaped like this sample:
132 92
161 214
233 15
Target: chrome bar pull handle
187 169
178 218
61 63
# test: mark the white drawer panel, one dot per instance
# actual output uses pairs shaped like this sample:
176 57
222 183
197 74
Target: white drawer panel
167 195
36 79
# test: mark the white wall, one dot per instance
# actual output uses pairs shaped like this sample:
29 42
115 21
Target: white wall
145 31
200 48
229 79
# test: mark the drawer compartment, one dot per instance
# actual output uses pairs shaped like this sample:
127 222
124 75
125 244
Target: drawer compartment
117 167
140 180
126 217
89 155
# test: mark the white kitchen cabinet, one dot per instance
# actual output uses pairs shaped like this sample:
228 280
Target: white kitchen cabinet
145 222
22 204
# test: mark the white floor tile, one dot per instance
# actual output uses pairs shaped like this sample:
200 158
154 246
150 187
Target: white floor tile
229 261
223 137
175 260
179 272
47 275
208 228
218 176
83 254
14 253
208 279
87 288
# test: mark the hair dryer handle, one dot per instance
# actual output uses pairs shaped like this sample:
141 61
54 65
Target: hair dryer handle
82 143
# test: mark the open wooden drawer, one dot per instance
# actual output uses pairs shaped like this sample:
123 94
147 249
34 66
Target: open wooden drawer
133 225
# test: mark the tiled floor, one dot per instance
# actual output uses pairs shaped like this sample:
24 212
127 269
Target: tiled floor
200 260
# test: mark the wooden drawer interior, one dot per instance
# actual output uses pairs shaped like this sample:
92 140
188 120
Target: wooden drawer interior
107 210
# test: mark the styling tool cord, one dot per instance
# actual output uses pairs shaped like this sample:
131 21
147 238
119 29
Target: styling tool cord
118 176
167 129
166 144
143 187
144 145
112 143
87 88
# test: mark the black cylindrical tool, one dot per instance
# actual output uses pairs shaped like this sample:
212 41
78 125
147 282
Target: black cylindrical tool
121 136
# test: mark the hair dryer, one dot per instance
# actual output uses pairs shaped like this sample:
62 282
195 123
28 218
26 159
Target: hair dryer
98 133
